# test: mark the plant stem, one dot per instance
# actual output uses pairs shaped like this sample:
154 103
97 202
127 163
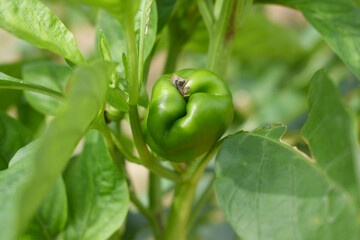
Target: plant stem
127 154
223 31
132 59
217 37
22 85
142 42
206 13
145 156
155 198
174 50
138 136
200 203
152 166
101 126
134 92
148 214
184 195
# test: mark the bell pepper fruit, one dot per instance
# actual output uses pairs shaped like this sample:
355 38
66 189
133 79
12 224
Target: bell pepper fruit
188 112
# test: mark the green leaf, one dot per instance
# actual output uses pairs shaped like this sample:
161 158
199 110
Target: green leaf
13 136
260 39
114 33
14 83
8 97
3 161
12 181
337 21
34 22
50 219
50 75
165 9
104 47
118 99
269 190
97 191
115 96
145 28
331 124
85 101
29 117
122 10
14 69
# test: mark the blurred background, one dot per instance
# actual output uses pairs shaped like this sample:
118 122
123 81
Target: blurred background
274 57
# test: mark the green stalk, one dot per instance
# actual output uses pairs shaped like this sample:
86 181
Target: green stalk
207 14
155 200
145 156
134 92
152 219
174 50
123 149
133 63
183 198
223 31
200 204
217 37
26 86
138 136
142 41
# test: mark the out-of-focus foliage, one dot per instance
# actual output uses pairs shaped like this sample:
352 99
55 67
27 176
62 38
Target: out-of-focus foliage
269 74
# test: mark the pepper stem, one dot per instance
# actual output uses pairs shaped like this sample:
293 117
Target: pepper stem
179 83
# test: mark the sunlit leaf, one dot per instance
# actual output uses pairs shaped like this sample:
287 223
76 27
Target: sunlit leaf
269 190
85 101
331 132
50 75
34 22
97 191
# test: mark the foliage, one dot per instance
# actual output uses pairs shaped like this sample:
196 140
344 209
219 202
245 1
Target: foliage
288 167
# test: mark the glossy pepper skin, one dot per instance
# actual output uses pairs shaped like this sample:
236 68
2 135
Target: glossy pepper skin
180 127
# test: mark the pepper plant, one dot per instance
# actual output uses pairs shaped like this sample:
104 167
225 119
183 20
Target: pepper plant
212 134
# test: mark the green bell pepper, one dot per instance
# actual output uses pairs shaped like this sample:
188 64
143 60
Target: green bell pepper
188 112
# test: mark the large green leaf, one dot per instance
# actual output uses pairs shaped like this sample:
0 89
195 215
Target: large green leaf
337 21
50 75
50 219
84 103
269 190
332 133
12 182
13 136
97 192
34 22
